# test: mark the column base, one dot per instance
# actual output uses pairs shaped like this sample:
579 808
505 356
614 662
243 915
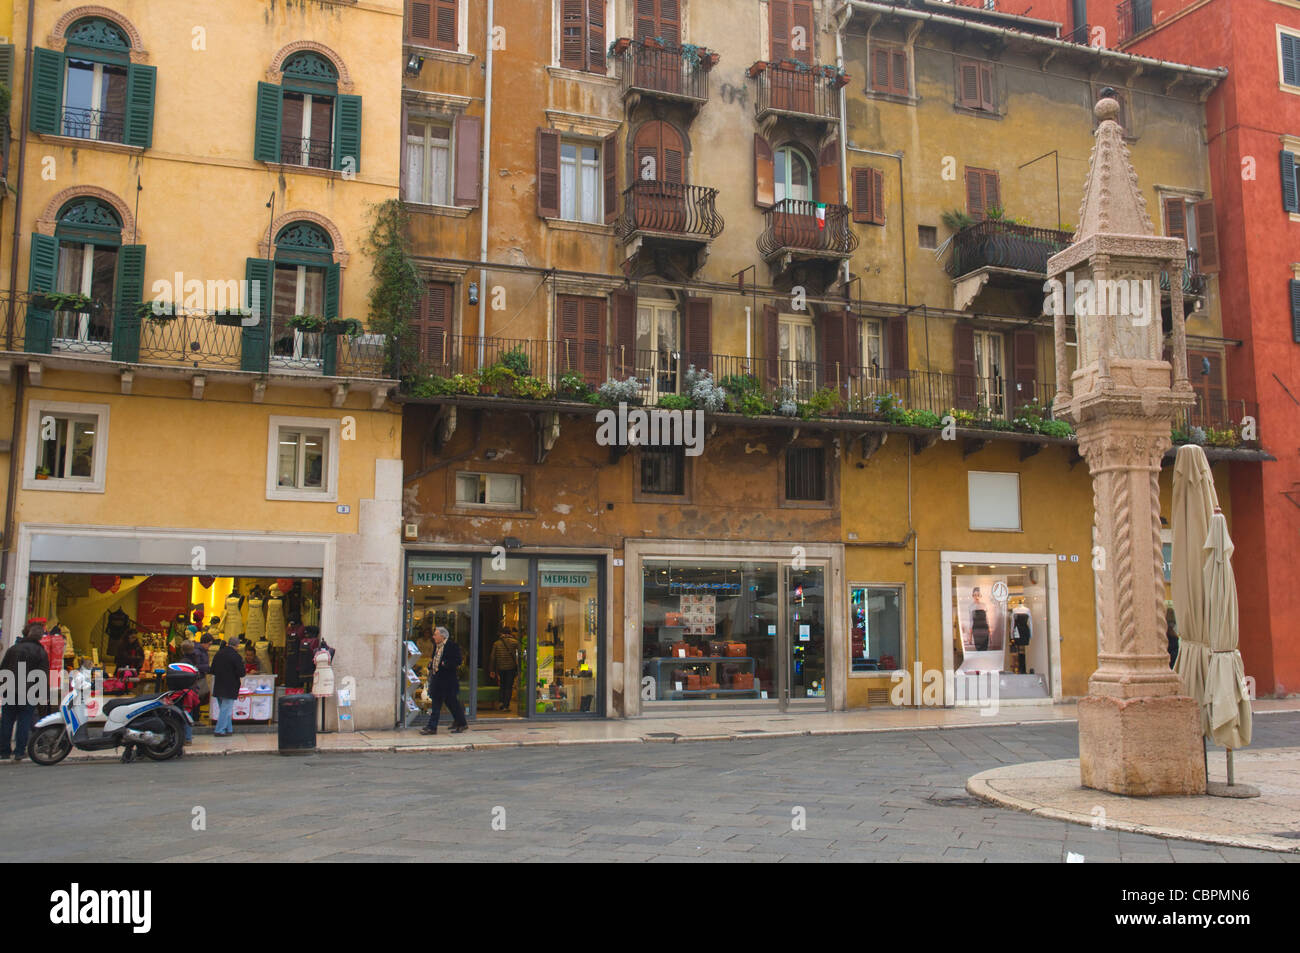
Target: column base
1141 746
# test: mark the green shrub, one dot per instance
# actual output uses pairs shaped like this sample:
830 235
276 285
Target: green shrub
755 405
923 418
517 361
674 402
574 385
826 400
1056 428
497 377
532 388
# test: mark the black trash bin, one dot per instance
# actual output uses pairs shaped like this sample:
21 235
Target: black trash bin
297 724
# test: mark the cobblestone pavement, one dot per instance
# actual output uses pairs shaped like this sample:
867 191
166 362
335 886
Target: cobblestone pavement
881 797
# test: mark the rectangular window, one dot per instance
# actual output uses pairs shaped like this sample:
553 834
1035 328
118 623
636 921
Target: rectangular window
302 459
300 462
428 162
66 447
94 104
927 236
1289 58
983 192
501 490
582 34
658 347
307 130
873 347
798 354
975 85
580 181
663 470
805 474
433 23
868 196
876 635
994 500
889 69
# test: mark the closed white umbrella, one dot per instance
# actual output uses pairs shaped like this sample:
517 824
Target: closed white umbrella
1195 501
1227 703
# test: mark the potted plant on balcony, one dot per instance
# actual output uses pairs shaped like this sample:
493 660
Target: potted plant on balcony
496 381
620 46
42 473
307 323
756 68
350 327
159 312
231 317
63 301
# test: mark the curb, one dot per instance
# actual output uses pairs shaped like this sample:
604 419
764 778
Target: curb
978 786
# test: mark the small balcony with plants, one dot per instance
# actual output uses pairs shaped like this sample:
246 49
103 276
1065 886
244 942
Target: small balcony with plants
669 218
655 70
793 89
999 241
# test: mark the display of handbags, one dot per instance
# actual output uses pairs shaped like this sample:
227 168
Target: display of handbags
736 650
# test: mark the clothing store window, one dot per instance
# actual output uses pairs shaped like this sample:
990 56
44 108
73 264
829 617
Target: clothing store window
66 447
994 500
502 490
1000 622
302 459
876 633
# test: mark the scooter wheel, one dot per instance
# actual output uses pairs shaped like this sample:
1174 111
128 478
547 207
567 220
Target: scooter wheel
49 745
172 745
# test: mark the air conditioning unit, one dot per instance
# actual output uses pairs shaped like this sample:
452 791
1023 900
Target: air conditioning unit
411 530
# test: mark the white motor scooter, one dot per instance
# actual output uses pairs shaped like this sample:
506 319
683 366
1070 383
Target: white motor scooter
155 724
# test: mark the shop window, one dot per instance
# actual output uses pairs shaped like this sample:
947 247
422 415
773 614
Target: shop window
999 618
66 447
994 500
302 459
500 490
877 628
663 470
805 474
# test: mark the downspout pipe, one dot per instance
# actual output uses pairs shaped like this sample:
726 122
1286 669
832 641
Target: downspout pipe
487 180
844 14
11 492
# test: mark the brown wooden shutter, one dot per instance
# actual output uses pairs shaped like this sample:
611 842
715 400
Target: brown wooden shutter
898 79
975 193
665 144
771 345
445 34
469 153
986 86
896 331
779 22
1175 218
646 20
880 71
992 191
801 17
568 332
580 329
1024 362
963 354
432 322
610 158
596 36
968 84
670 22
548 173
863 196
764 173
699 333
828 173
419 21
624 333
573 33
878 196
833 331
1207 239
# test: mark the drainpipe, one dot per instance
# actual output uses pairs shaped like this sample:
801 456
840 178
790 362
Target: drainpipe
487 179
845 13
11 493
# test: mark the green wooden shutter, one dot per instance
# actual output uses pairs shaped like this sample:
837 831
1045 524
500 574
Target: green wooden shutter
1293 286
330 342
129 293
347 134
7 65
255 351
42 271
47 91
1290 198
266 134
140 84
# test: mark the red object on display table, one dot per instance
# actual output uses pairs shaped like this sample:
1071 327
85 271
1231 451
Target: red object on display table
161 599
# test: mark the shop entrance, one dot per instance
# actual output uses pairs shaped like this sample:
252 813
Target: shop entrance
503 651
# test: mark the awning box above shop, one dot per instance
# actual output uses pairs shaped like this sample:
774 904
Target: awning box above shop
176 555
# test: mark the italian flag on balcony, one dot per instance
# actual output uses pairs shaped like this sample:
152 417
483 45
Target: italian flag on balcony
821 215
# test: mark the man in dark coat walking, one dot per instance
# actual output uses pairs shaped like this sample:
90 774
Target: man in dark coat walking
444 684
24 657
227 672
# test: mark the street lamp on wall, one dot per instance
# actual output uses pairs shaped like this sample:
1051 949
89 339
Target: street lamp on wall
414 63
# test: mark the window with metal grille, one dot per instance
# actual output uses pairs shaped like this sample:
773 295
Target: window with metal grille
805 474
663 470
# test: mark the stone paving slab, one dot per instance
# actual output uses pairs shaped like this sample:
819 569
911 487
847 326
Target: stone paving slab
1051 789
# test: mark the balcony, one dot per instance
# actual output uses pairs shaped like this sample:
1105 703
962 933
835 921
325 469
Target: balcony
792 90
1134 17
997 244
186 344
664 73
313 153
98 124
793 226
1193 282
669 217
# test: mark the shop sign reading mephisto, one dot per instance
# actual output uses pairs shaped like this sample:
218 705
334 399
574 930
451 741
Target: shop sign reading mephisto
438 577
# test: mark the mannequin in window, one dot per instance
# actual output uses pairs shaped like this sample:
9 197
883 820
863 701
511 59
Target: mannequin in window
275 625
234 621
255 627
1022 630
116 626
979 621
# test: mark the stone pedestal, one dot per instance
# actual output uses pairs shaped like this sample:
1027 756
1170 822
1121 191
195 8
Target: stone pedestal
1141 746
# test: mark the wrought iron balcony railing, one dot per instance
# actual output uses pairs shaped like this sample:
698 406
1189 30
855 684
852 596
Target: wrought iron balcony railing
795 225
98 124
1080 34
688 211
1134 16
667 72
315 153
194 339
1193 280
801 91
998 244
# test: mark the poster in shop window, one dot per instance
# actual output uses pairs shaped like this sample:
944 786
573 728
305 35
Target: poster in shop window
160 598
700 614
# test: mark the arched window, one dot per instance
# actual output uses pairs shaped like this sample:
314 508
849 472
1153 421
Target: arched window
89 234
793 175
92 90
305 121
306 285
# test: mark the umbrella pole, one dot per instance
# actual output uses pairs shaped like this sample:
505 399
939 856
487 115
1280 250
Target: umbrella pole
1229 767
1205 760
